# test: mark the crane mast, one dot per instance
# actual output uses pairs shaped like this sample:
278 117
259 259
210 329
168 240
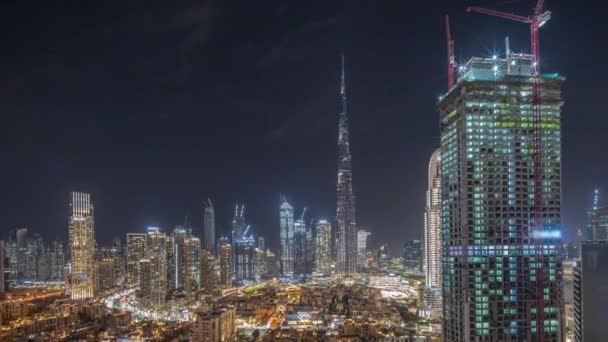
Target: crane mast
451 58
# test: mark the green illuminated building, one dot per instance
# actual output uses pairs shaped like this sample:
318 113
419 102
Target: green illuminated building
487 169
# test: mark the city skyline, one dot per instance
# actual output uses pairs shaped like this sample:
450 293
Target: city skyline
153 159
221 170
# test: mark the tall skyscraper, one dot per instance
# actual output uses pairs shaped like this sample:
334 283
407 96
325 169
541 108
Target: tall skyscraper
412 255
136 250
107 274
495 261
82 243
287 234
156 252
432 223
57 256
191 270
208 276
362 236
299 245
21 240
345 209
209 228
225 256
180 234
323 247
244 260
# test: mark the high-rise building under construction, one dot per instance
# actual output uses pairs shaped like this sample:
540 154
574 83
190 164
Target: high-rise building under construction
495 257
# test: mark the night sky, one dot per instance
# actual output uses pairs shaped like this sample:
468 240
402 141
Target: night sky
153 106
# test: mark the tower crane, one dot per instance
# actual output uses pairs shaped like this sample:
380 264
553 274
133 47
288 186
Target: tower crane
451 57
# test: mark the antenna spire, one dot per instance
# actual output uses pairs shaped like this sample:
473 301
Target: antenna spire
343 85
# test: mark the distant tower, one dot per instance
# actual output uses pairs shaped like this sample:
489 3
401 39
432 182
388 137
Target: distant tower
345 209
209 228
82 243
287 236
432 223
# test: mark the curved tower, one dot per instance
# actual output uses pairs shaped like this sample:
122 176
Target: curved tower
432 223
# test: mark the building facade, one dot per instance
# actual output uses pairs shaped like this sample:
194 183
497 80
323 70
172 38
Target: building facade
432 223
81 236
495 262
217 325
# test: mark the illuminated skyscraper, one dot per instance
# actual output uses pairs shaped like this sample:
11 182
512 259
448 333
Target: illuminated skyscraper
209 228
57 262
208 276
82 243
244 260
287 237
362 236
432 223
412 255
299 245
225 256
497 267
156 252
136 250
107 274
238 222
345 209
191 270
323 247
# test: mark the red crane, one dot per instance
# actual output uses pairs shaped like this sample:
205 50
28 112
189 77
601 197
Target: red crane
536 20
451 58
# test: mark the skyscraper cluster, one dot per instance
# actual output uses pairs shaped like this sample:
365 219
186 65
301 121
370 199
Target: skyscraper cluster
31 258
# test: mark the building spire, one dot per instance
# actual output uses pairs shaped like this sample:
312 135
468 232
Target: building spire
343 85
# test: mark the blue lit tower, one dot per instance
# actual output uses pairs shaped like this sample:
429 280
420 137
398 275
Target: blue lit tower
345 208
490 241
